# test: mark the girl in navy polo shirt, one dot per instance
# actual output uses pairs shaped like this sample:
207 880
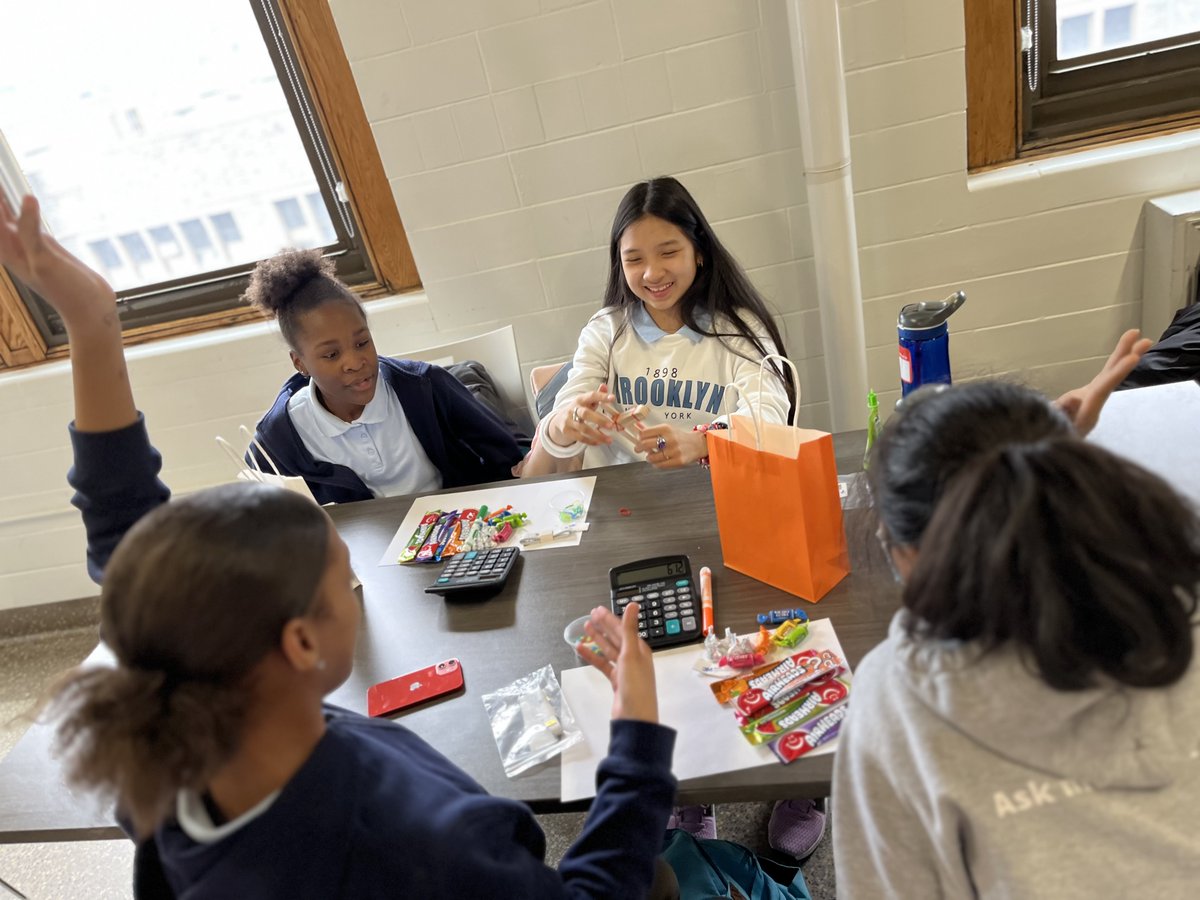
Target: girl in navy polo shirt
356 425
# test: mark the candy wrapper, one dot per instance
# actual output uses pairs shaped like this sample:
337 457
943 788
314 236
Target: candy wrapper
728 688
786 681
811 735
731 655
531 721
420 536
823 696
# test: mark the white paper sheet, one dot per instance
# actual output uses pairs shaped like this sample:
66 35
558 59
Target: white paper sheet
708 742
532 497
1159 428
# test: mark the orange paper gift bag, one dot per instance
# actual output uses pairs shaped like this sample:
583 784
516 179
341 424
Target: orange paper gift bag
778 511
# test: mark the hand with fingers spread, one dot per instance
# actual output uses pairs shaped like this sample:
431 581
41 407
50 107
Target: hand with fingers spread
668 447
586 421
625 660
1082 405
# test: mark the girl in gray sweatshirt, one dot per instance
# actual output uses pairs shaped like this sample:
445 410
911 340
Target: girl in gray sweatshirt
1031 726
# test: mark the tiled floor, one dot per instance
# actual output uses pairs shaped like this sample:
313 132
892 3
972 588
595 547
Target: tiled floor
100 870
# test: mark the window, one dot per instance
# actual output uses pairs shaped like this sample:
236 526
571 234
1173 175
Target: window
226 228
175 184
135 248
1047 75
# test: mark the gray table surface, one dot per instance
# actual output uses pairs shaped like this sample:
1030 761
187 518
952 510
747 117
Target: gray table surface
517 631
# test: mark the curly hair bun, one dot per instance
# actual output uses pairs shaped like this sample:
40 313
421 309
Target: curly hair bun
275 281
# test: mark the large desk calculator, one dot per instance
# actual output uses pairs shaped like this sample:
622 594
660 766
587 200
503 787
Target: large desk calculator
667 596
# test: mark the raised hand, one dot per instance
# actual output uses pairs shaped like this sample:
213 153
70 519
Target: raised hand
40 261
1083 404
626 660
103 397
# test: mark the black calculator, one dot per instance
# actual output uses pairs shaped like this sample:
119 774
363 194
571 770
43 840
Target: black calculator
475 572
669 602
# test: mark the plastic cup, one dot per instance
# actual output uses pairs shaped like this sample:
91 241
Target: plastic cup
574 633
568 506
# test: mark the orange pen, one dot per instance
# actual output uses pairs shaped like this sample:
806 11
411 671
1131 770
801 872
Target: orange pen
706 598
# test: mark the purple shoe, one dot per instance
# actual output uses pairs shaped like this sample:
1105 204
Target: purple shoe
796 827
698 821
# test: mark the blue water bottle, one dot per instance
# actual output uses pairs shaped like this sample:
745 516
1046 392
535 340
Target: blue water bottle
925 342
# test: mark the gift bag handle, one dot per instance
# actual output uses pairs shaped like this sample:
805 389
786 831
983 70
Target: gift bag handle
756 417
238 461
252 441
251 464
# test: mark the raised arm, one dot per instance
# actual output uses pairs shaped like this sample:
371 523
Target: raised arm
1083 404
103 399
116 470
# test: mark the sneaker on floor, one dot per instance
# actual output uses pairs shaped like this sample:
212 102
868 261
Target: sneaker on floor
796 827
698 821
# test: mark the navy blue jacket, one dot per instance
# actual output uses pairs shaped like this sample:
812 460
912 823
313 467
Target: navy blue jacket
463 439
375 811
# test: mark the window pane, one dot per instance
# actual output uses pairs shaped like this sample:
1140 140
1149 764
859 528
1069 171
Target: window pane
1090 26
164 134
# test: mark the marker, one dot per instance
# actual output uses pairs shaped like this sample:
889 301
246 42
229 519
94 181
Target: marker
706 598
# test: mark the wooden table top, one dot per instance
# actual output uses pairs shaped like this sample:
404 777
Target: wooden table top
520 630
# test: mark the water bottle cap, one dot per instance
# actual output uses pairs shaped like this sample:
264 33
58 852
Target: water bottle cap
930 314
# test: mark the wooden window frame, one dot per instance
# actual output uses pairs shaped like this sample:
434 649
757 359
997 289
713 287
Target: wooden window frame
1000 125
356 156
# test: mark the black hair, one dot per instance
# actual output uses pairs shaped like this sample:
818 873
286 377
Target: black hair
294 282
195 596
720 289
1027 536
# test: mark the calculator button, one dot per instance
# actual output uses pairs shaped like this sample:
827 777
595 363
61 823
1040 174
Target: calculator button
670 592
470 554
682 582
656 632
656 622
672 627
684 593
669 607
670 615
637 598
442 580
689 624
643 634
653 595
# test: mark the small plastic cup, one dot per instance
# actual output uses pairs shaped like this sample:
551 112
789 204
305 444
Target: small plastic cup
568 506
574 633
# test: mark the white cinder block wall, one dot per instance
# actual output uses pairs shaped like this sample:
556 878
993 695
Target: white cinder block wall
509 130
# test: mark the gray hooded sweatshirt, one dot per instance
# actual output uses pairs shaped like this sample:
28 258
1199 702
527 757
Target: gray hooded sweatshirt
963 775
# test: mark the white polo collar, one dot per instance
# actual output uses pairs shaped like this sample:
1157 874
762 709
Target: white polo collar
373 413
649 332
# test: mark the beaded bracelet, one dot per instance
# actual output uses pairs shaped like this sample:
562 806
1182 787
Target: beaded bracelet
709 426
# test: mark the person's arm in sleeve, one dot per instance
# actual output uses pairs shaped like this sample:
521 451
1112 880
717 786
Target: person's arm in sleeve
116 470
894 838
614 855
560 433
623 834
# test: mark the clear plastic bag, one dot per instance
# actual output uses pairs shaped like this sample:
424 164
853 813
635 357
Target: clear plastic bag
531 721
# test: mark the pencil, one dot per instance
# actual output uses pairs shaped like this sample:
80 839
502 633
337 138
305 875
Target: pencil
706 598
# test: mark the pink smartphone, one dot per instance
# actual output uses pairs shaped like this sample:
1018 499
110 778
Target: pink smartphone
416 687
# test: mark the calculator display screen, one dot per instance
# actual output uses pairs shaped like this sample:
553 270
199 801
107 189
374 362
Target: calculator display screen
654 573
